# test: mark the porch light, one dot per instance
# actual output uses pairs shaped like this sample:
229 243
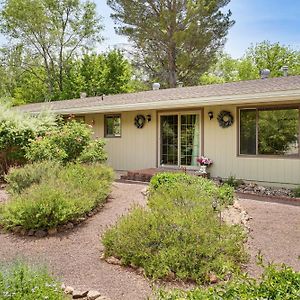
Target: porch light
210 115
148 117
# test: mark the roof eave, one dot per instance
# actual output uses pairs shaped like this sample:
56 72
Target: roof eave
186 103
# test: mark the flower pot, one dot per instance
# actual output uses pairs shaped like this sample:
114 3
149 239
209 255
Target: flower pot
202 169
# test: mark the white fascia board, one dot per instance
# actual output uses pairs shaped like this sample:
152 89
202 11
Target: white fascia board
186 103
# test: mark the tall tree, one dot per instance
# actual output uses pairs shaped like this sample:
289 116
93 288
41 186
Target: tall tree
51 32
177 39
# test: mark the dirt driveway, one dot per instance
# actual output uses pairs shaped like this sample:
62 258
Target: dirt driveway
75 257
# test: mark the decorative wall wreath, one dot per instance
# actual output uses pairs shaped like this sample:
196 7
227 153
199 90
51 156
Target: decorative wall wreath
139 121
225 119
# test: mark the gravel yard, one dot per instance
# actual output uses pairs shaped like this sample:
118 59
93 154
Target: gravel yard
75 256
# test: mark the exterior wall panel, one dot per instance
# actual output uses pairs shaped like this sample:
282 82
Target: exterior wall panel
136 148
220 144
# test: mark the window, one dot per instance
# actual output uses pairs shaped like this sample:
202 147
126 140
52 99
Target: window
112 126
269 131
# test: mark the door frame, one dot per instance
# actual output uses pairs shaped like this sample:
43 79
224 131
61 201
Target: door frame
198 112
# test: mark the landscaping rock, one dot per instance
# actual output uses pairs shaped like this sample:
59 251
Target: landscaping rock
31 232
93 295
114 261
17 229
70 226
69 290
52 231
23 232
213 278
40 233
79 294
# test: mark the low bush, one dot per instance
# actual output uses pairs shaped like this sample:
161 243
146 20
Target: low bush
21 178
19 281
277 282
233 182
296 192
167 180
60 197
180 234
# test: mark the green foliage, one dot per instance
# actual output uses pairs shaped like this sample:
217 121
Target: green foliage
264 55
175 42
51 33
19 281
64 144
16 132
296 192
19 179
167 180
233 182
179 234
58 197
277 282
93 153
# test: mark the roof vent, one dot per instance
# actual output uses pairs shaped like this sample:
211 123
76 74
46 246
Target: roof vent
83 95
155 86
285 70
265 73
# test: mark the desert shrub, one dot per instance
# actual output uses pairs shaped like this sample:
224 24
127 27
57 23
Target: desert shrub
224 194
277 282
180 234
296 192
16 132
19 281
93 152
233 182
61 197
20 178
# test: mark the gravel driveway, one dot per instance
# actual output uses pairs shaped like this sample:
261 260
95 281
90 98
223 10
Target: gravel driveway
275 231
75 256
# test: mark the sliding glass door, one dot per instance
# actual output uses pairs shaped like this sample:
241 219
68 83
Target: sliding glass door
179 139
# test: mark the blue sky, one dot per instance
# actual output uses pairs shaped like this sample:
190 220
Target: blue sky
256 20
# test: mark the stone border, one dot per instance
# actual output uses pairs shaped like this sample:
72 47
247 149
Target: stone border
41 233
83 294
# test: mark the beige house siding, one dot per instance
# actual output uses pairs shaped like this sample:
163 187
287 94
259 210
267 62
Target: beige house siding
221 145
136 148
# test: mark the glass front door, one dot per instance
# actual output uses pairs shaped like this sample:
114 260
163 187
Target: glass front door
179 139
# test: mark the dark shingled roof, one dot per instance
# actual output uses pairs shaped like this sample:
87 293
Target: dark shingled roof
195 92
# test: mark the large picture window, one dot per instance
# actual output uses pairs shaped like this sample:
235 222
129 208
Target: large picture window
112 126
269 131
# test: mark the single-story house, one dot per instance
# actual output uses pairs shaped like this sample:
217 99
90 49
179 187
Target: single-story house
250 129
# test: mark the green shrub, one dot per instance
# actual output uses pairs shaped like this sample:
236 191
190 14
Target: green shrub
296 192
64 144
93 153
179 234
16 132
59 197
18 281
21 178
169 179
233 182
277 282
224 194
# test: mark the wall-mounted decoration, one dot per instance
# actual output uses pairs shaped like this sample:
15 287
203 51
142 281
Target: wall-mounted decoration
139 121
225 119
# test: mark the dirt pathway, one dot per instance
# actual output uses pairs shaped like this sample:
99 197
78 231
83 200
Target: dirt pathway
275 230
74 257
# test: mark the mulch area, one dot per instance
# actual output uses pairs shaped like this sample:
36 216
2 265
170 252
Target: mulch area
74 256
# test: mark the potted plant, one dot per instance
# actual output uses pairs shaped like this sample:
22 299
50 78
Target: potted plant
204 162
